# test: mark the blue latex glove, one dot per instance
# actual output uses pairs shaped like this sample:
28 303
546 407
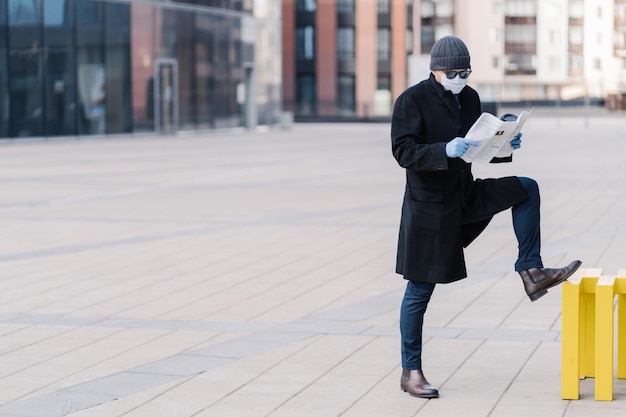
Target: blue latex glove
458 146
516 142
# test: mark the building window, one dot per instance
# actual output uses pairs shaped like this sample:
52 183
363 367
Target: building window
345 94
427 38
489 92
306 5
597 64
427 9
25 73
345 6
57 13
383 44
345 43
512 91
409 41
383 6
383 83
521 64
444 9
305 42
521 8
24 24
526 34
305 95
24 12
554 62
576 35
576 9
575 63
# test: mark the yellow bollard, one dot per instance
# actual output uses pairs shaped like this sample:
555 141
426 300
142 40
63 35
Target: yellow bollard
621 323
577 350
588 332
605 294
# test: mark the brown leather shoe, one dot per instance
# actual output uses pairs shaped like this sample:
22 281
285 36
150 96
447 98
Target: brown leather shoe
416 385
538 280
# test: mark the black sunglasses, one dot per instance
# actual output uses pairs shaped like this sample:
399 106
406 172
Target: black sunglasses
463 74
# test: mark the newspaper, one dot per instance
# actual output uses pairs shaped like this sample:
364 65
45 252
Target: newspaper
493 136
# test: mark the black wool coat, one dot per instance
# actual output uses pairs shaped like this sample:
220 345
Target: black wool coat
444 207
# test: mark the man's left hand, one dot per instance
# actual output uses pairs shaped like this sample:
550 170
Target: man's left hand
516 142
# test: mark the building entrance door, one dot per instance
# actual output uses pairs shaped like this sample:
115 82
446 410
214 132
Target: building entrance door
166 95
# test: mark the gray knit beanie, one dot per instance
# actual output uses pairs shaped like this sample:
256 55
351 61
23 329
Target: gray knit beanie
449 53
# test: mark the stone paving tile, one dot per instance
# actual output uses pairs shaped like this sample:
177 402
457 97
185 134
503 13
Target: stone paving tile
252 275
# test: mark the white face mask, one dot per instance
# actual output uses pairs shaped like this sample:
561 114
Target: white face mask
454 85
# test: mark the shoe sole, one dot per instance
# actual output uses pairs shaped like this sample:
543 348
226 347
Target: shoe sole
436 395
540 294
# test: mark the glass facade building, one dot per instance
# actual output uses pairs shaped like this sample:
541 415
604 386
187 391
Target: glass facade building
96 67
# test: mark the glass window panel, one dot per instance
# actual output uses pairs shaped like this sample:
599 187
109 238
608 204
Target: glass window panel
4 99
443 30
24 12
204 69
3 18
427 9
305 95
57 12
306 5
444 9
118 118
345 6
383 6
60 93
526 34
576 9
383 82
305 46
345 94
512 91
25 94
520 64
89 13
521 8
92 93
3 23
575 62
345 43
184 56
24 19
58 20
91 69
383 44
409 41
427 38
575 35
142 61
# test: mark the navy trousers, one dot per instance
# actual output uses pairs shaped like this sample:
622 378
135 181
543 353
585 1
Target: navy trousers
417 294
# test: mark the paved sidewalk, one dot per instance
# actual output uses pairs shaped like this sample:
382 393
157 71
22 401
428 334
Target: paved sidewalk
251 275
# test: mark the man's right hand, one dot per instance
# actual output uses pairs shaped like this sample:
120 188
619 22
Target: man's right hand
458 146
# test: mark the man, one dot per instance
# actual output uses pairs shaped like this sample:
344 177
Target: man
444 207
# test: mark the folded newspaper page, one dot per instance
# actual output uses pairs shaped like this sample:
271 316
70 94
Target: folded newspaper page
493 136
